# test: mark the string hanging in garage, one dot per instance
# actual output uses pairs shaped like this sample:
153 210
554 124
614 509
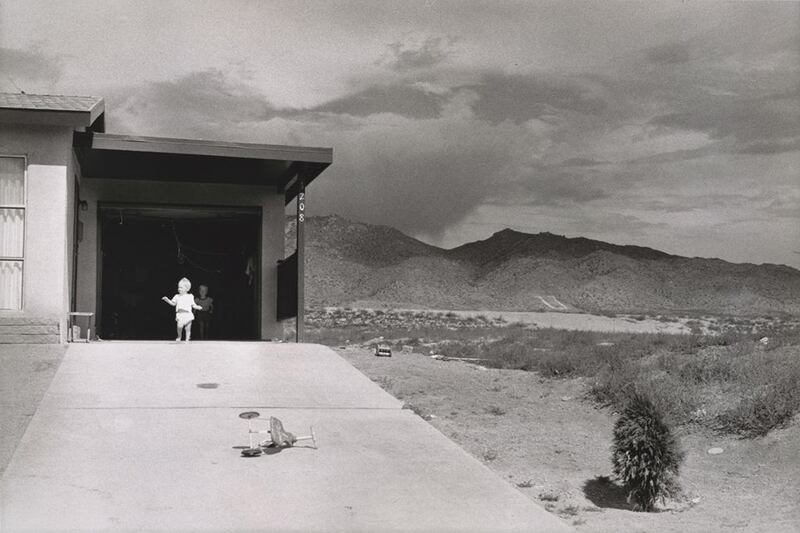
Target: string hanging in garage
182 258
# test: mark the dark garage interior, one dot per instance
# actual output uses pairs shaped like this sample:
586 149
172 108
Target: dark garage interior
146 250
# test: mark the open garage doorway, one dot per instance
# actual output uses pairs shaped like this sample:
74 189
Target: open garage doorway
145 250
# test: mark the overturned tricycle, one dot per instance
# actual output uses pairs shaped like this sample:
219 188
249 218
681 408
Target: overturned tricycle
278 437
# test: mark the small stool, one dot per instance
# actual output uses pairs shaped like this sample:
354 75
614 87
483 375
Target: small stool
74 329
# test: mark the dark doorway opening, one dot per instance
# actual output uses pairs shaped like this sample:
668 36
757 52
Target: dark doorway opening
146 250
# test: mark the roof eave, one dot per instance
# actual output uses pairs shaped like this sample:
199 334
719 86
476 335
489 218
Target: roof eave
135 143
243 159
49 117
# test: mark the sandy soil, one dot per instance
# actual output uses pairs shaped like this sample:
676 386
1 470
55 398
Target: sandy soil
546 438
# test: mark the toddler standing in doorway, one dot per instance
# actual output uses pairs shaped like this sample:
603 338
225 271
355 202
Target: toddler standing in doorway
184 305
206 302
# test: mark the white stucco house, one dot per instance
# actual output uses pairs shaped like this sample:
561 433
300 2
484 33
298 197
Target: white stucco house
106 224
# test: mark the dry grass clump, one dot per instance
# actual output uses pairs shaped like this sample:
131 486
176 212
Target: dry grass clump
744 380
730 382
769 393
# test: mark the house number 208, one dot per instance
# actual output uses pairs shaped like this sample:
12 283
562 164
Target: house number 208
301 206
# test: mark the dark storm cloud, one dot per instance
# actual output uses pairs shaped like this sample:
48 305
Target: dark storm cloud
685 203
581 162
683 155
398 99
605 225
28 65
560 188
419 176
523 97
403 57
771 147
784 207
550 186
195 104
751 120
616 224
668 54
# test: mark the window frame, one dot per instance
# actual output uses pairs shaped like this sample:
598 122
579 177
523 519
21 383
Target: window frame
24 208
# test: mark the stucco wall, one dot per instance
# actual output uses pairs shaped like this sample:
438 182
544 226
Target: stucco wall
94 191
45 271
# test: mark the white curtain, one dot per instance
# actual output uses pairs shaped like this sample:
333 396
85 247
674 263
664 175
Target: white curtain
12 181
12 230
10 284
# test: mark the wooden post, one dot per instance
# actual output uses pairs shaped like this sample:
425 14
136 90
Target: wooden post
301 255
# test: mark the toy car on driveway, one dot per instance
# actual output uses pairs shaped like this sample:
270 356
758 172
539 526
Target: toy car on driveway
383 350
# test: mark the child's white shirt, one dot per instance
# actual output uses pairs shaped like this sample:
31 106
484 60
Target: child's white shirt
183 302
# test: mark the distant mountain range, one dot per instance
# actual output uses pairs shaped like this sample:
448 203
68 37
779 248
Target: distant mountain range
352 263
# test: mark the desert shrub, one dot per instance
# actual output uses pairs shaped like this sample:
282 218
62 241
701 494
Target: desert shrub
569 340
615 383
755 416
708 366
771 382
646 455
729 337
460 349
780 336
558 364
673 397
513 356
695 326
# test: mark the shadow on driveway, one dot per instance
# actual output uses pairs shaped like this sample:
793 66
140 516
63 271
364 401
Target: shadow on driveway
27 370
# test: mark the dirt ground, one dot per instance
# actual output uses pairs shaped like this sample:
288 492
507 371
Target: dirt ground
548 439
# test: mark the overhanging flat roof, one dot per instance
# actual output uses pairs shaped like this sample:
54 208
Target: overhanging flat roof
53 110
111 156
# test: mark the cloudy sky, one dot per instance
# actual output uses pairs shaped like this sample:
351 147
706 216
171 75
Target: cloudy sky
674 125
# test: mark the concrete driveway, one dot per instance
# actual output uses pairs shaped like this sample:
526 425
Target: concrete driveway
26 371
146 436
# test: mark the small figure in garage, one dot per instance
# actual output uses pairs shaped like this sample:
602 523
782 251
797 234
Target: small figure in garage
184 305
203 316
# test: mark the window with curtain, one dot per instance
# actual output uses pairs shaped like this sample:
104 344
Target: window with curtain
12 230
